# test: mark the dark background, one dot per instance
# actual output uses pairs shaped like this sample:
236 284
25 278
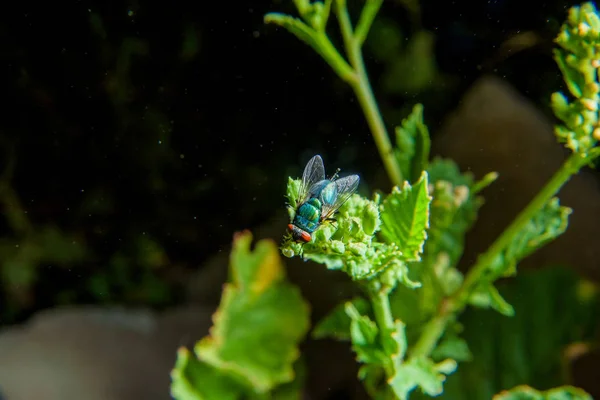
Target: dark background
146 133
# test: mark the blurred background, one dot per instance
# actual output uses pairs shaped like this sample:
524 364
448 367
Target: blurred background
136 137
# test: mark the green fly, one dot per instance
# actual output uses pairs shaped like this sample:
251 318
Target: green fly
319 198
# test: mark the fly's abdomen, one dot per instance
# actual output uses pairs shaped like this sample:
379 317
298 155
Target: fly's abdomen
307 216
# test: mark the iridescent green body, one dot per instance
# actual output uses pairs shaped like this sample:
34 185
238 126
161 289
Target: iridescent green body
308 215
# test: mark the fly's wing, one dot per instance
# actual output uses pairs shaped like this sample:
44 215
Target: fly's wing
345 188
313 172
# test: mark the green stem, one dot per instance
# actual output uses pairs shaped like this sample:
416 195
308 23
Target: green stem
365 21
380 302
330 54
364 93
569 168
434 330
382 310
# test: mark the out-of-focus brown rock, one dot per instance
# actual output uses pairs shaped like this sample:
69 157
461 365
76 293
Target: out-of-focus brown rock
497 129
582 362
96 354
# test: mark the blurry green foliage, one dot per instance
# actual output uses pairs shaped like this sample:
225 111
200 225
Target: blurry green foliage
527 393
253 345
553 308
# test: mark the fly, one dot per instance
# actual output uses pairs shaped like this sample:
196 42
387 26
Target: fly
319 198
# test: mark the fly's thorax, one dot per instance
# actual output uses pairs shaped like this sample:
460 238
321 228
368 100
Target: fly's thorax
329 193
317 188
314 203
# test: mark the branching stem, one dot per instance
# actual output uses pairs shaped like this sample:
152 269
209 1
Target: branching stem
457 302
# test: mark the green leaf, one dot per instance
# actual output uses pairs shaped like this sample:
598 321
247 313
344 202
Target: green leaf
423 373
364 334
296 27
405 218
546 225
260 321
195 380
441 169
524 392
316 15
487 296
452 347
295 389
337 323
413 144
573 78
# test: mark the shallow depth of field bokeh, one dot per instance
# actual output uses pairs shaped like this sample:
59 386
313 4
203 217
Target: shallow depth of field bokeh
137 137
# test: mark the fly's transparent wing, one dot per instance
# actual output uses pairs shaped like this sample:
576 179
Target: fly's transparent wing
345 188
313 172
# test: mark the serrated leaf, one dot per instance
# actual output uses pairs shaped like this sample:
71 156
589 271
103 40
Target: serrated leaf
452 213
337 323
260 321
364 334
423 373
192 379
405 217
524 392
413 144
545 226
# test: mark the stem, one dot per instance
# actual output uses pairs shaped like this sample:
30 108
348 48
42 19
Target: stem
382 310
380 302
435 328
365 21
432 332
570 167
330 54
364 93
